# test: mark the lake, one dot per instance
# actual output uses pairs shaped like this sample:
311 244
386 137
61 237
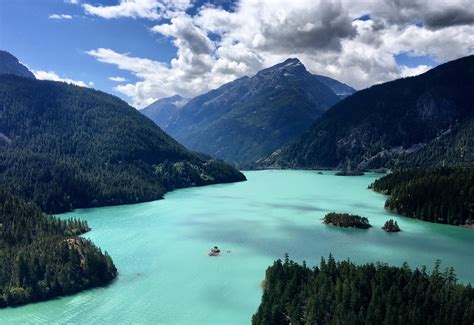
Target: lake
160 248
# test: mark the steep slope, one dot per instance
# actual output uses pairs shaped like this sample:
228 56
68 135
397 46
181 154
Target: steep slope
163 110
10 65
340 89
455 147
375 126
248 118
66 147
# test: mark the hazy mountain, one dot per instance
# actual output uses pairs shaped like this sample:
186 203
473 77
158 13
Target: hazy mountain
416 118
339 88
250 117
10 65
66 147
162 111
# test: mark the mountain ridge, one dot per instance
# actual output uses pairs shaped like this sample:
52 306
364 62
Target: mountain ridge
9 64
249 117
407 113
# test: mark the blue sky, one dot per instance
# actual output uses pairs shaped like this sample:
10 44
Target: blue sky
189 48
59 45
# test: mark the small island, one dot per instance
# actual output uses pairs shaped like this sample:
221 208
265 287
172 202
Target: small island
346 220
391 226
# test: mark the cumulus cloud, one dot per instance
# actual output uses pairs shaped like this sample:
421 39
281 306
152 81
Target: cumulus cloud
72 2
156 78
50 75
60 16
433 14
118 79
215 45
150 9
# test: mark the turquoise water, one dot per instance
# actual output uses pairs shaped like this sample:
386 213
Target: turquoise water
160 248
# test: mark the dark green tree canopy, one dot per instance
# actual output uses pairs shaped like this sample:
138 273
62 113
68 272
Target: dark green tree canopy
345 293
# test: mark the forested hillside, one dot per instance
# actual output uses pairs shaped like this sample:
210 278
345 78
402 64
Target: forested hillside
43 257
345 293
442 195
454 148
381 125
65 147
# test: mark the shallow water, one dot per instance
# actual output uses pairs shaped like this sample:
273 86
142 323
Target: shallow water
160 248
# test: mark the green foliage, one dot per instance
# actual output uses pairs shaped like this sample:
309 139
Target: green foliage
65 147
391 226
344 293
43 257
442 195
346 220
381 125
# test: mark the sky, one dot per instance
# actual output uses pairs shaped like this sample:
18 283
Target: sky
143 50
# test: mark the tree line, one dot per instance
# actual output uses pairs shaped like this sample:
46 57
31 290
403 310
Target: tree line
345 293
42 256
442 195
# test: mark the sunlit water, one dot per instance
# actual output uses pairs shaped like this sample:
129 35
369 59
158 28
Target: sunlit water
166 276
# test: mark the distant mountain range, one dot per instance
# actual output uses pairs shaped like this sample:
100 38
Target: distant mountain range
425 120
66 147
248 118
9 64
163 111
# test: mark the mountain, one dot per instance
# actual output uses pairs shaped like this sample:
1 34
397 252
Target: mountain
9 64
163 110
66 147
415 118
250 117
340 89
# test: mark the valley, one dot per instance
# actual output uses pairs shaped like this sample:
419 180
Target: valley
264 162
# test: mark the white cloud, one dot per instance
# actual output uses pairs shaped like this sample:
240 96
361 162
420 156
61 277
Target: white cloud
50 75
118 79
216 46
60 16
157 79
150 9
72 2
413 71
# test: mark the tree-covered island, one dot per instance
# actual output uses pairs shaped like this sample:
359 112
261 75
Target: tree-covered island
346 220
391 226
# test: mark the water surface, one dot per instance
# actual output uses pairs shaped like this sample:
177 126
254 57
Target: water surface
160 248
